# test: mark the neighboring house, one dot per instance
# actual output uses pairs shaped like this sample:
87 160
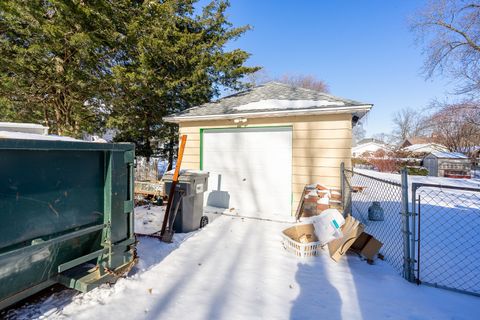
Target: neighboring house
415 140
448 164
369 146
425 148
263 145
421 145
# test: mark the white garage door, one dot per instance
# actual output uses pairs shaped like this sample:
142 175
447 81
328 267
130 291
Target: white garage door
251 169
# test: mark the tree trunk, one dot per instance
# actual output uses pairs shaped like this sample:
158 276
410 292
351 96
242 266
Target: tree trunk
45 116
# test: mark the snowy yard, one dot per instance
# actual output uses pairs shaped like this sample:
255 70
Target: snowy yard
237 269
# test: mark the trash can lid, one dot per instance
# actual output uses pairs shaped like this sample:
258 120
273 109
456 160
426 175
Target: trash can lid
186 175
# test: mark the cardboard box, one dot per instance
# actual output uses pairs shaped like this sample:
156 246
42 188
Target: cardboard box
321 187
367 246
325 197
335 195
351 230
321 207
301 231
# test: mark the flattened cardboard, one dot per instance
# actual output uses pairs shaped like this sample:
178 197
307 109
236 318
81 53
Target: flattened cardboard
372 248
335 195
361 241
351 230
367 246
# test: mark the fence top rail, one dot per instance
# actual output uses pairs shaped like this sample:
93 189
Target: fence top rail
398 184
417 185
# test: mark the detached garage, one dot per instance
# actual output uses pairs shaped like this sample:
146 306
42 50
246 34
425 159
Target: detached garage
263 145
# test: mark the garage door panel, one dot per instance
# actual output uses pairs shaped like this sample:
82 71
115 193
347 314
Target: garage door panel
254 165
234 163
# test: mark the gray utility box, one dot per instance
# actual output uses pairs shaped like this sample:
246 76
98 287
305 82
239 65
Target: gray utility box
192 184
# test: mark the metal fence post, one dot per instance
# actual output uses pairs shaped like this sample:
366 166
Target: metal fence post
346 192
407 270
342 184
414 215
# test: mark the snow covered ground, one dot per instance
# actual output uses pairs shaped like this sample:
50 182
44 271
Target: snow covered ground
148 219
236 268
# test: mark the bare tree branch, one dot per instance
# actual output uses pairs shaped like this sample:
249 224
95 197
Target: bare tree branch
304 81
450 33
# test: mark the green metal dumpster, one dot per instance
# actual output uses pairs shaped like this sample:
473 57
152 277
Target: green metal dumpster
66 215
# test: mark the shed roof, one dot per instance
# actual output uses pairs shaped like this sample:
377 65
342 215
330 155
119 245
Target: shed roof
271 99
449 155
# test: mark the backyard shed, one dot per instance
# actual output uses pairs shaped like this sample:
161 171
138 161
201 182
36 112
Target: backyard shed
448 164
263 145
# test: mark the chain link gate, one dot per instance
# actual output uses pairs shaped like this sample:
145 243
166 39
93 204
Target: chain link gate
446 222
431 232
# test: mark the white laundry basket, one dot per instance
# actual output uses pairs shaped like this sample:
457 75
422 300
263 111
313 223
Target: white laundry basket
291 241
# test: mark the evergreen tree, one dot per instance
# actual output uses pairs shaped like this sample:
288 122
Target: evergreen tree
176 60
54 62
78 66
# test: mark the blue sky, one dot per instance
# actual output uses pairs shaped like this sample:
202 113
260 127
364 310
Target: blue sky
364 50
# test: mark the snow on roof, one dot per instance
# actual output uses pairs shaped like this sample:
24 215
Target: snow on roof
33 136
20 125
449 155
271 99
416 147
287 104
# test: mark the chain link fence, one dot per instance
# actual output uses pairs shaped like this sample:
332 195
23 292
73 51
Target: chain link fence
448 233
364 193
430 232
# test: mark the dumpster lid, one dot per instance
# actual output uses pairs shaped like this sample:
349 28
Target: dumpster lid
185 174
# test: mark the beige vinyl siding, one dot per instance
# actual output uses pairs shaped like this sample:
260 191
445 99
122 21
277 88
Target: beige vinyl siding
320 144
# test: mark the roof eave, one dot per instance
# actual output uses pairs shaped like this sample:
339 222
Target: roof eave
359 111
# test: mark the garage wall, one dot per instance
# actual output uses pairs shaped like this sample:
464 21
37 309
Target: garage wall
320 144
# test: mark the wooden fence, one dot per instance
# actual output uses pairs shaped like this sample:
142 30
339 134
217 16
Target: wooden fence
146 170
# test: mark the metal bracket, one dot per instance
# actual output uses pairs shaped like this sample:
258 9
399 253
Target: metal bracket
129 157
128 206
80 260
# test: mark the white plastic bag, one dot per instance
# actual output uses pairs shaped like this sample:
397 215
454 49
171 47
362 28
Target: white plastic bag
327 226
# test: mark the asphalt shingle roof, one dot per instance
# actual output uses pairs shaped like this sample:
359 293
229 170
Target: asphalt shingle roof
244 101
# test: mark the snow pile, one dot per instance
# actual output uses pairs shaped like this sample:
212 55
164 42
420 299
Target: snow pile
237 269
151 252
148 219
287 104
